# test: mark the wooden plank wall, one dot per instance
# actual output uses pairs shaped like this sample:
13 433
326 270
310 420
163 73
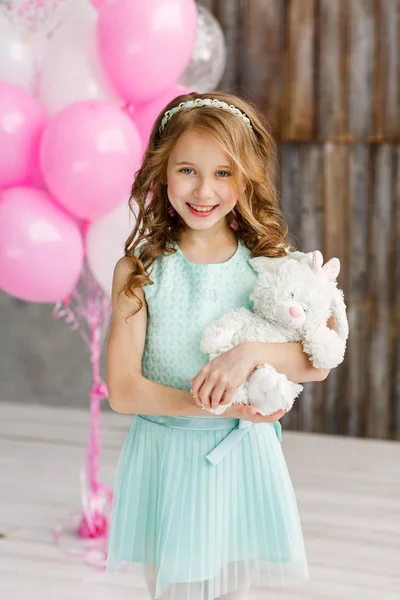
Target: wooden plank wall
327 75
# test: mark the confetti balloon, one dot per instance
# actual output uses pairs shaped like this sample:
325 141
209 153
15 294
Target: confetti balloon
33 16
207 64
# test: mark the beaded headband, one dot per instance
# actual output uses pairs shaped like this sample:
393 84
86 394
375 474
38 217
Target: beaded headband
200 102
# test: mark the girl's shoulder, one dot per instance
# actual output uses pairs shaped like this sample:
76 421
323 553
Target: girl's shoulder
155 271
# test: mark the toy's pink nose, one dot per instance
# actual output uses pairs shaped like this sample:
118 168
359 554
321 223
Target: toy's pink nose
295 312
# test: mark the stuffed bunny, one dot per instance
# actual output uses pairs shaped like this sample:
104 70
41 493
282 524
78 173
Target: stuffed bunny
293 298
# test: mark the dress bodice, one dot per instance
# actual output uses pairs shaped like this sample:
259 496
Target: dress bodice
184 299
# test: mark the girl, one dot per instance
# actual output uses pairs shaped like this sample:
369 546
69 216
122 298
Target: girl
204 505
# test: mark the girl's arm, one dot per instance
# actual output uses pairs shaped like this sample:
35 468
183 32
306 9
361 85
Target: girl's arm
217 381
128 391
288 358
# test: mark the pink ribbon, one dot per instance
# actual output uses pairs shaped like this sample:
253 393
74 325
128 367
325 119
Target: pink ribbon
89 308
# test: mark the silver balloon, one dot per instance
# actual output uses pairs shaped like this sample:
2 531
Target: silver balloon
207 64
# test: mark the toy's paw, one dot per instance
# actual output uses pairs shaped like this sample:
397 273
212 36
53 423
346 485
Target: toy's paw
220 409
325 348
270 391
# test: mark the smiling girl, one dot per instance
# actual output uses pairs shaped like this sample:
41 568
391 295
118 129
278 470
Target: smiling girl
204 505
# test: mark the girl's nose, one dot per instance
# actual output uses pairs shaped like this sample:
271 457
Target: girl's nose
203 190
295 312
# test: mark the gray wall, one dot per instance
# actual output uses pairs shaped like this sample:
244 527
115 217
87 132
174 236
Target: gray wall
42 360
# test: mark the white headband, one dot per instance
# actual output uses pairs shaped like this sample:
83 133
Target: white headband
215 103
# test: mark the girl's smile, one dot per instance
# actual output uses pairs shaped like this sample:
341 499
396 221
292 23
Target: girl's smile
201 211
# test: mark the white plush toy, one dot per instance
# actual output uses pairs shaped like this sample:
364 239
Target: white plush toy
293 298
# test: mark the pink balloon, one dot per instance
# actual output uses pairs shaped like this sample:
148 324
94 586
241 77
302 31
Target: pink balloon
22 121
144 115
41 248
89 153
145 45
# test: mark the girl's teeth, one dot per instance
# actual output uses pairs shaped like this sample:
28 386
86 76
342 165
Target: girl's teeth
201 209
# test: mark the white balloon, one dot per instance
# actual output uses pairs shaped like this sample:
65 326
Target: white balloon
17 55
71 70
105 240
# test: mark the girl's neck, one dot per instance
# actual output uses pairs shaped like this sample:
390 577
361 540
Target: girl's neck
210 246
207 239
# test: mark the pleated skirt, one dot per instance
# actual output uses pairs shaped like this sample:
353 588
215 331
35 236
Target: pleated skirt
204 507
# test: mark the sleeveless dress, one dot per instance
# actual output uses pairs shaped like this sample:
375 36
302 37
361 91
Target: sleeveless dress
203 505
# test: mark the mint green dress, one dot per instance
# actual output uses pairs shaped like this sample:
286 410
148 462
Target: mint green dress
203 505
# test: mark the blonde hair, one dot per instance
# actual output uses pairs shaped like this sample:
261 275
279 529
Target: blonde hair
256 219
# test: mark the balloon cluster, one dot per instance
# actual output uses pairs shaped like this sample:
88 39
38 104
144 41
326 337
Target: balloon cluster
81 83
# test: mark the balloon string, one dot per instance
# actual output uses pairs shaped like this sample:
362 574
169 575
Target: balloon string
93 307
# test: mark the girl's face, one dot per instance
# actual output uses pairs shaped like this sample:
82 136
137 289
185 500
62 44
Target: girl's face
199 179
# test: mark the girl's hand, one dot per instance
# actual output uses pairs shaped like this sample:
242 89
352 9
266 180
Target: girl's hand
249 413
217 381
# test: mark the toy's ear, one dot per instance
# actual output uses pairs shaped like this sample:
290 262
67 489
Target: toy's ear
263 264
313 259
338 312
332 268
317 261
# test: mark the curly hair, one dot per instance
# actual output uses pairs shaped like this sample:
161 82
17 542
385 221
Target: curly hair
256 218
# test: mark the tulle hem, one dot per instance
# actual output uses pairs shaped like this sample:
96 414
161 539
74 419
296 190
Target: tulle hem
231 578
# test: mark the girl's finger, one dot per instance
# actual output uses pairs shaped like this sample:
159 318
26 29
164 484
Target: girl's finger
205 393
196 384
249 410
195 398
228 396
225 400
271 418
217 395
243 411
331 322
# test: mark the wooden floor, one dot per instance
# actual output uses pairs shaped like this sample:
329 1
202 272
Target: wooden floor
348 492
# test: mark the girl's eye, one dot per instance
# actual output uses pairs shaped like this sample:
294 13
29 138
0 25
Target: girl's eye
185 170
223 174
